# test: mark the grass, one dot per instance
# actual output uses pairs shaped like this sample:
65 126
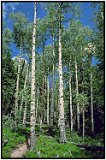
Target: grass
48 147
75 138
13 140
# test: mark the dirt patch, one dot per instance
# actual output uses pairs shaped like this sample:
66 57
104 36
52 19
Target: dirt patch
20 151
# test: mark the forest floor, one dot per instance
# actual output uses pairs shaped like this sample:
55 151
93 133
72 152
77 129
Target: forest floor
48 146
19 151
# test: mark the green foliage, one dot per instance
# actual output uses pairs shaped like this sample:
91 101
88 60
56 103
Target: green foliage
8 83
77 139
48 147
75 40
8 121
13 140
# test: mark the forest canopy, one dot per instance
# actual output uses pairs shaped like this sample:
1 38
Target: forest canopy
53 78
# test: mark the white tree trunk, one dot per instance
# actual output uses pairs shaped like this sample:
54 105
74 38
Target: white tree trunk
47 101
40 123
26 79
77 93
92 114
32 110
70 89
17 92
52 95
25 111
37 105
83 117
61 101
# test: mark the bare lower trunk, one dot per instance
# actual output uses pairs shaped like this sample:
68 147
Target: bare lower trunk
92 117
77 93
71 110
32 110
17 92
26 79
61 101
83 117
52 96
40 123
47 101
25 111
59 113
37 105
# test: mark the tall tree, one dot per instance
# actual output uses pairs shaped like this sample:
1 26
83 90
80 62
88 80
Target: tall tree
70 90
61 101
32 110
17 93
77 93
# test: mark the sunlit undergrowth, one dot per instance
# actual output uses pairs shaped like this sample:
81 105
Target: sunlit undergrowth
87 140
48 147
13 140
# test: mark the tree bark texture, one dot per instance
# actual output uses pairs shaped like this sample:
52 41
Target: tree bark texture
47 101
32 110
25 83
17 92
52 95
91 95
37 104
83 117
61 101
25 111
70 89
77 93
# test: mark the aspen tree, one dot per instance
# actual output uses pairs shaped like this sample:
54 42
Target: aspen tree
61 100
70 90
77 93
32 110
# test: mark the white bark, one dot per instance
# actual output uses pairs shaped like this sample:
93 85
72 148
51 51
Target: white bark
47 101
26 79
37 105
32 110
77 93
92 114
25 111
41 123
83 117
70 89
61 100
17 92
52 95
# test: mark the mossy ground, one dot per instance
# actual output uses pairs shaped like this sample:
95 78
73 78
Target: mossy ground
13 140
48 146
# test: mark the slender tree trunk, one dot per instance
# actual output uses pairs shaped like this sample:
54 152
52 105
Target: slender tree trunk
47 101
71 109
37 105
40 123
91 92
26 79
52 96
17 92
32 110
61 101
77 93
83 117
59 112
25 111
45 95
